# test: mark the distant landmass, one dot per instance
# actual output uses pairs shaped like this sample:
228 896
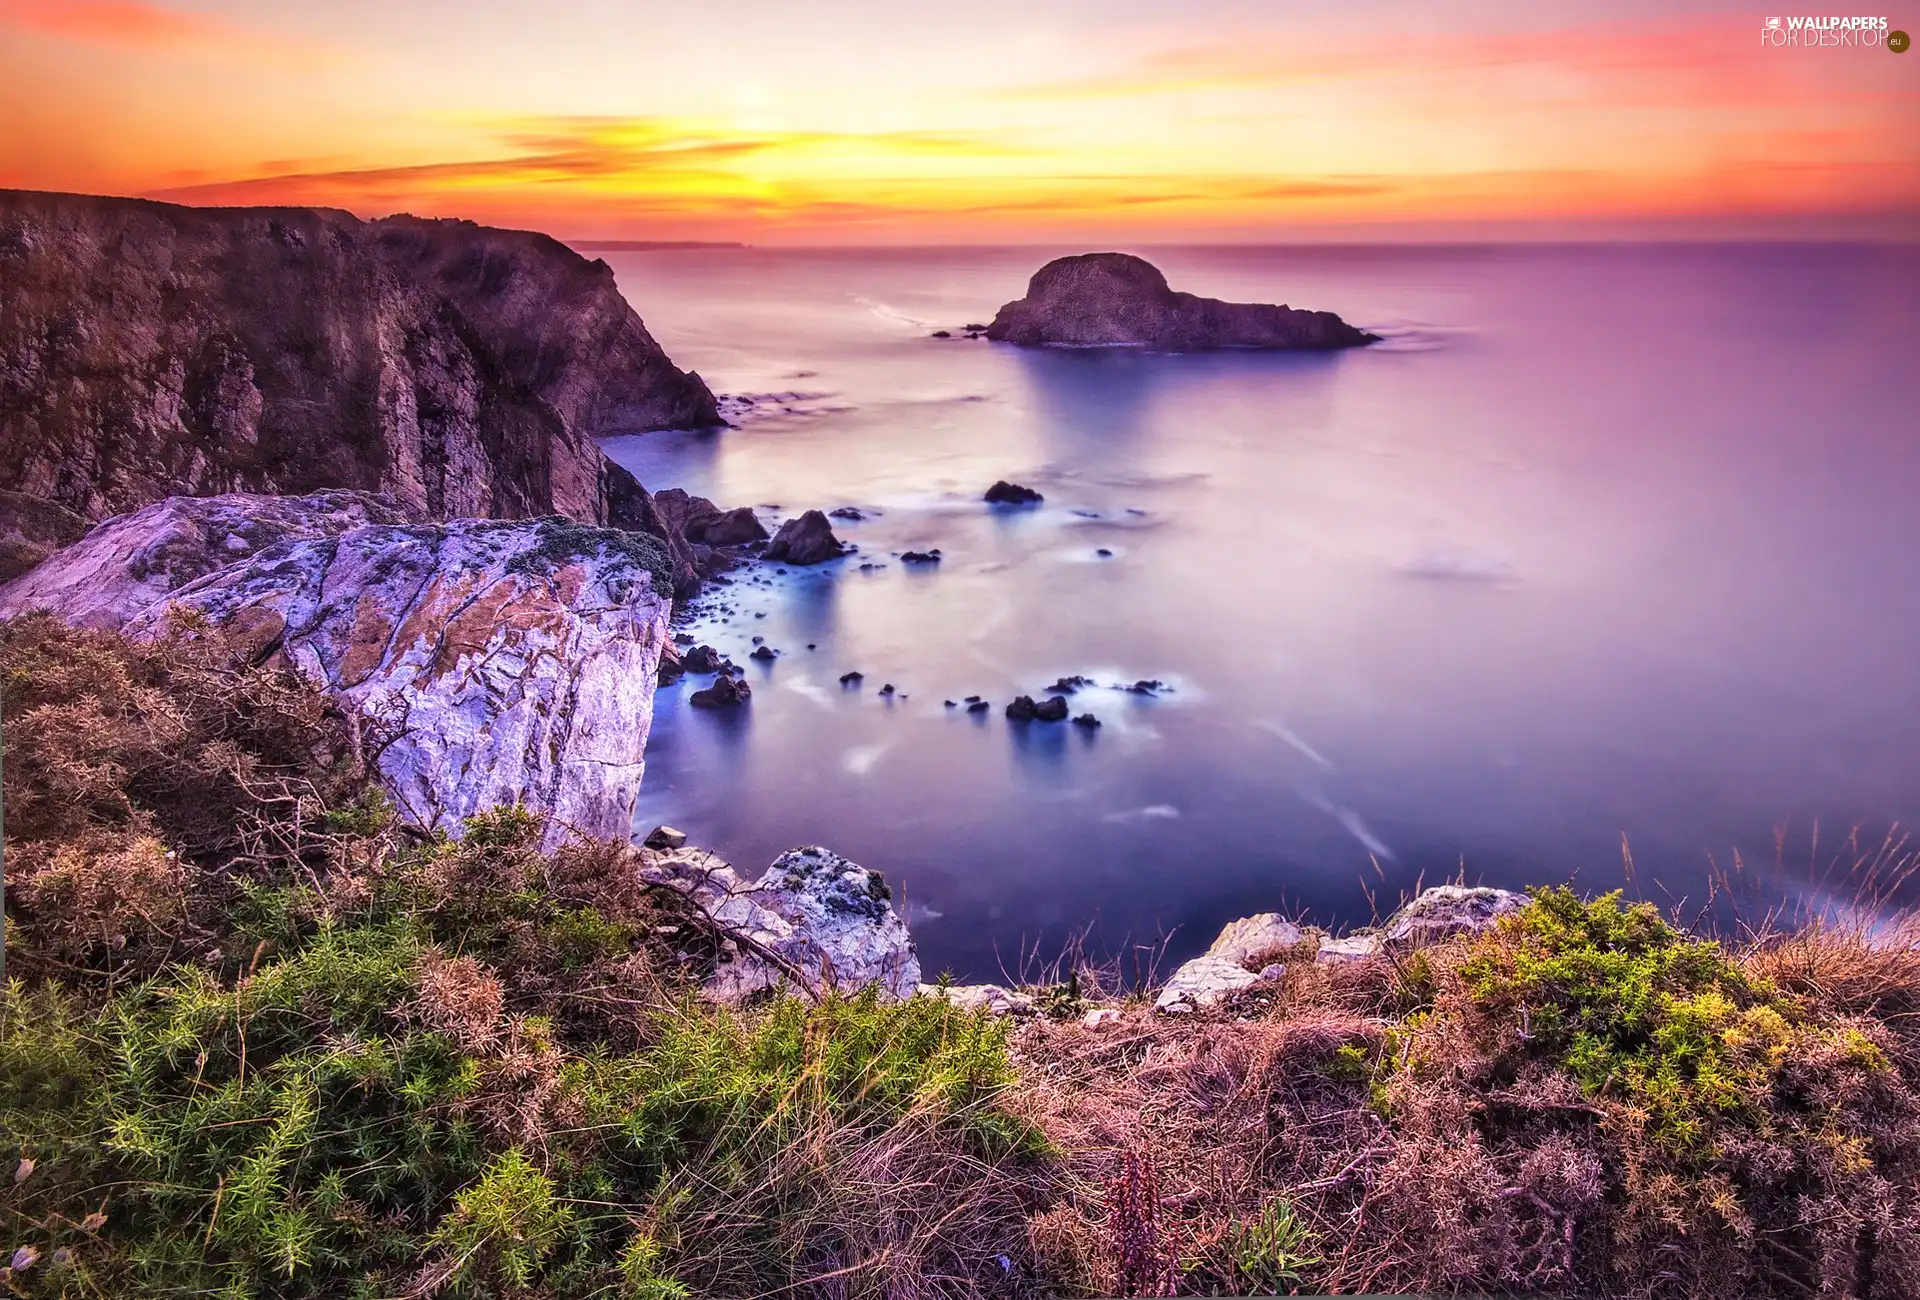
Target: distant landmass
645 245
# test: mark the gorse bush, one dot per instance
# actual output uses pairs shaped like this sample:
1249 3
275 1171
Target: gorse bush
328 1057
264 1040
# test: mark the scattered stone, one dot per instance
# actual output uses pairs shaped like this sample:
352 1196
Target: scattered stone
978 706
846 512
1104 553
664 838
1202 984
1051 709
805 540
1086 720
887 689
764 654
1068 685
1352 948
683 638
852 679
991 998
950 704
975 329
757 640
1022 709
1004 493
921 557
1146 686
943 334
725 693
1223 969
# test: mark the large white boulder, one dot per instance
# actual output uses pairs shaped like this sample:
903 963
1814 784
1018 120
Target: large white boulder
511 661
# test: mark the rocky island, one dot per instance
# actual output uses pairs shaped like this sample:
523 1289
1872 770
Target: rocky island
1118 300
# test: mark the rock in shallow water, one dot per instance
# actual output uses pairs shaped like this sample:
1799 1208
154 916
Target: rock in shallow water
1004 493
805 540
725 693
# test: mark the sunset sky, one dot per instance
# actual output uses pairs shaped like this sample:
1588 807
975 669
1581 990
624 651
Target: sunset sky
854 121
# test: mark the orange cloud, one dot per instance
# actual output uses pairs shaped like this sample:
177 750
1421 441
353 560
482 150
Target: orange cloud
134 23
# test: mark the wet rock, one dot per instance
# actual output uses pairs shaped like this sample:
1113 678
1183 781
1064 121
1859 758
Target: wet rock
822 921
1068 685
703 659
852 679
973 699
949 704
807 539
736 527
1146 686
975 329
1004 493
943 334
887 689
664 837
758 640
1087 720
1051 709
683 638
978 706
921 557
1116 299
1022 709
1104 553
725 693
764 654
671 668
846 512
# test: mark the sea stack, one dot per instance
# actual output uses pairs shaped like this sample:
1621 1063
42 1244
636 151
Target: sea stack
1118 300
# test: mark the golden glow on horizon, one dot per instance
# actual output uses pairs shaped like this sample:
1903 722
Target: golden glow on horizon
1208 128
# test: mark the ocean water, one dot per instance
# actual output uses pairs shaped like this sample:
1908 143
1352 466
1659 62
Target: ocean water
1604 546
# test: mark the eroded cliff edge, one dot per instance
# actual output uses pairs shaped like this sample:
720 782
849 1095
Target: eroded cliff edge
149 350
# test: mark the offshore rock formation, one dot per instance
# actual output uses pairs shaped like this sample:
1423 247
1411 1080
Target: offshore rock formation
814 920
497 662
1116 299
149 350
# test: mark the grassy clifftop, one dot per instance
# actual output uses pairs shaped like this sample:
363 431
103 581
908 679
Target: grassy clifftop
263 1040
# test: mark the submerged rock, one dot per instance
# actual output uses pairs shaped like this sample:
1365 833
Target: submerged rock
814 920
1116 299
1004 493
807 539
511 662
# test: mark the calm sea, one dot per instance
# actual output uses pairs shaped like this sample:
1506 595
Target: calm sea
1604 544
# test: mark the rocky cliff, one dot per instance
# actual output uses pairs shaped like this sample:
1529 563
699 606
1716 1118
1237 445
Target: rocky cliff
148 350
499 662
1116 299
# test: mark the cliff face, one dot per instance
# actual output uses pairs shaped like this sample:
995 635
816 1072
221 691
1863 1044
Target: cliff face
1118 300
148 350
511 661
